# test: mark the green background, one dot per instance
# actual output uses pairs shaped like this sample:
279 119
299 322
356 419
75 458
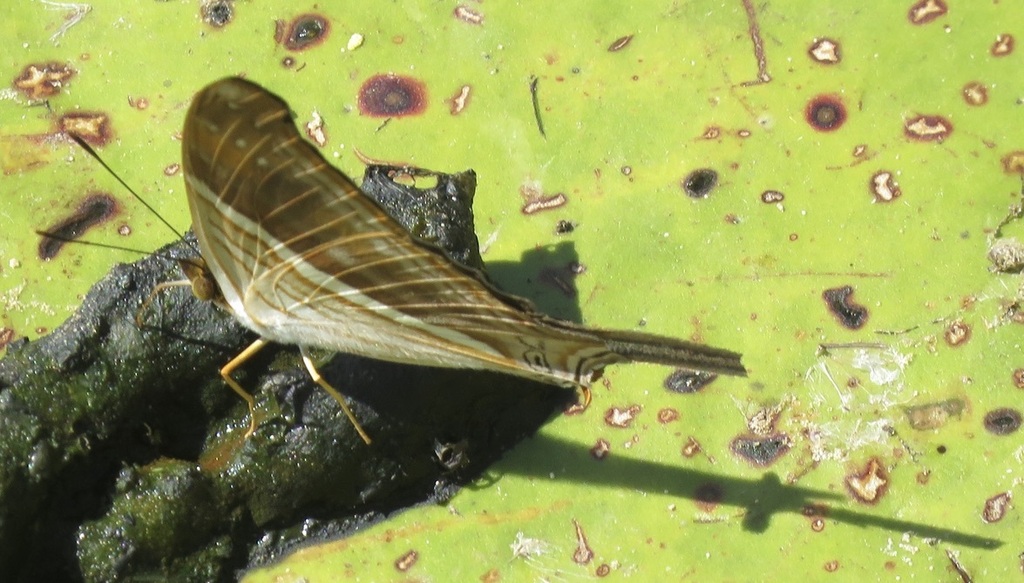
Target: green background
729 270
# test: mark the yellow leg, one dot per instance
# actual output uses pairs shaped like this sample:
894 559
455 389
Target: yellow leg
586 396
315 375
230 368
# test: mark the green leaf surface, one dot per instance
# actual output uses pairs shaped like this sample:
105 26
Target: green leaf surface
896 407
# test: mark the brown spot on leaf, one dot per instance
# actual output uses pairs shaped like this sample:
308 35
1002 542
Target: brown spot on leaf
825 113
603 570
840 303
600 449
620 43
754 32
303 32
217 13
543 203
21 153
761 451
139 103
927 128
692 447
1002 421
923 476
772 197
6 335
816 513
458 102
406 561
825 51
43 80
1013 163
884 187
95 209
763 422
288 62
975 93
391 95
621 418
1003 45
1018 378
92 127
667 415
172 169
870 484
583 553
925 11
957 333
931 416
684 380
700 183
996 507
564 227
468 15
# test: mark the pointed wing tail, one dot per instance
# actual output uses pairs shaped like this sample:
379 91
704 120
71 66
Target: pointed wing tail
639 347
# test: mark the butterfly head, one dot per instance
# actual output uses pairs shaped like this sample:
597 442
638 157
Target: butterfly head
203 285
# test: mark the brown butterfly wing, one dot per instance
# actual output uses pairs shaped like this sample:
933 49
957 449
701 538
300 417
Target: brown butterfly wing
304 257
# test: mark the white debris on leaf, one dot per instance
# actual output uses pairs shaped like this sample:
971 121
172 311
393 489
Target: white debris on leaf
837 440
527 548
883 367
315 129
354 42
835 383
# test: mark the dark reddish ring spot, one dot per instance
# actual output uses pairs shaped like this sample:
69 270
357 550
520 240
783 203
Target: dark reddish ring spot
392 96
825 113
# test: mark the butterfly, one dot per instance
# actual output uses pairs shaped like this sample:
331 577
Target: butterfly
299 255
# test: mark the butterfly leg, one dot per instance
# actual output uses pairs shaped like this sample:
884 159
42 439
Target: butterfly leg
586 396
230 367
315 375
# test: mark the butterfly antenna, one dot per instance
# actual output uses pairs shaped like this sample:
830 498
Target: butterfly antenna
85 146
66 239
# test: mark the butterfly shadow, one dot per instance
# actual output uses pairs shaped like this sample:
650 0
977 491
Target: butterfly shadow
714 496
545 275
